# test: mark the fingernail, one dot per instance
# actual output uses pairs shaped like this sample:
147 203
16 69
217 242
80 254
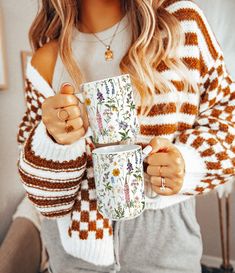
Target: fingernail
146 151
66 84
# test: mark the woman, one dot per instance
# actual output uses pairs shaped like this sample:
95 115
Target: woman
185 100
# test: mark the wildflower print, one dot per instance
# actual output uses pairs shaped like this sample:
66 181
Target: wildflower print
100 96
116 172
112 180
99 120
108 187
129 166
106 175
123 125
106 87
127 192
87 101
111 81
120 212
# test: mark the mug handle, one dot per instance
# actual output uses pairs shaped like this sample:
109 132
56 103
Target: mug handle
146 151
80 97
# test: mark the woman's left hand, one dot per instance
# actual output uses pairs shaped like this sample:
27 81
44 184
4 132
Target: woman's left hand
165 161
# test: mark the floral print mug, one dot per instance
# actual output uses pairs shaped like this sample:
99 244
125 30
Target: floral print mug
119 179
111 109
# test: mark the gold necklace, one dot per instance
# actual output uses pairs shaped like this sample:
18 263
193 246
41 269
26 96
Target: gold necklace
108 52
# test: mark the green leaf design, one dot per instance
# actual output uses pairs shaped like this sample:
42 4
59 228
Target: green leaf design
124 135
108 187
132 204
132 106
120 212
138 176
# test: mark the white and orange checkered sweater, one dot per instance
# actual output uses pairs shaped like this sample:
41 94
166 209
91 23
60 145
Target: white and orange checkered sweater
59 178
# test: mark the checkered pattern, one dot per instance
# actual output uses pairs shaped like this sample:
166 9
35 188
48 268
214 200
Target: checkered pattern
33 114
213 134
86 220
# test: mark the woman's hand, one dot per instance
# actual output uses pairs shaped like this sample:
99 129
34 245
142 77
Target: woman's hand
62 116
165 161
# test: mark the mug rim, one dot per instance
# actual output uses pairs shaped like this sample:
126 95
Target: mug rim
116 149
105 79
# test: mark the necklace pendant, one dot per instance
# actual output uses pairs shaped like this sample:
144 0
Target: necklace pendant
108 54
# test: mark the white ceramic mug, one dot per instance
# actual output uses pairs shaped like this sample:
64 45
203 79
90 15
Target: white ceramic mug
119 179
111 109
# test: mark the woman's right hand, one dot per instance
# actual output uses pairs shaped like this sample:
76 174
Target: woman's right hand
65 121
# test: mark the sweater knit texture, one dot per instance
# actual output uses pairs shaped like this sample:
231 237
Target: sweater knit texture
59 179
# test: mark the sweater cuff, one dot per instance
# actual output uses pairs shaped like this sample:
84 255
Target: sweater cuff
195 168
44 147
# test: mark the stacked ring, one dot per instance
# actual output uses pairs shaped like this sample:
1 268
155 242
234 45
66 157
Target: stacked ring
69 128
62 114
163 184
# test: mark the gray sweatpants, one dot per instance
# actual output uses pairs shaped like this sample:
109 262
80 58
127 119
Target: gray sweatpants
158 241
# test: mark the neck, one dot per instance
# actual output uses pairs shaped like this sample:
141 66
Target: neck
98 15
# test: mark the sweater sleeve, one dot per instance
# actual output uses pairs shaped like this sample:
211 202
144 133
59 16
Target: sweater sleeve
209 147
50 172
32 114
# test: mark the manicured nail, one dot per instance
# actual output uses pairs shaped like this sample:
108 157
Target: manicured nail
65 84
147 150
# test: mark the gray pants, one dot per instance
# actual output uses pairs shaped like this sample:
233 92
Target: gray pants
158 241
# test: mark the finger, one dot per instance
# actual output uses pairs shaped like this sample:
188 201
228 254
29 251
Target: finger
75 123
61 101
166 192
160 144
69 138
63 114
73 112
159 159
157 181
160 171
84 115
67 88
56 128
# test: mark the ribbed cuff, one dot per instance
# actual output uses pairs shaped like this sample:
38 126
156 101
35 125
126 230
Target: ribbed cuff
195 168
46 148
99 252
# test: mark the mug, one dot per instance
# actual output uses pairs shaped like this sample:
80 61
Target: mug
111 109
119 180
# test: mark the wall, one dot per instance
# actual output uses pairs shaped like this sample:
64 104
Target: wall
18 16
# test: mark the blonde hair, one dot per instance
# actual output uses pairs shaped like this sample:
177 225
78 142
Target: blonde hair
149 20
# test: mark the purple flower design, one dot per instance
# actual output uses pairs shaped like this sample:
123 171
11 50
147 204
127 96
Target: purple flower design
123 125
100 96
129 166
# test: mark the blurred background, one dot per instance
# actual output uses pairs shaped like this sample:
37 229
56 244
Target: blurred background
16 18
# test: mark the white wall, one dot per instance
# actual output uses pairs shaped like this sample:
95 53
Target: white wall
18 16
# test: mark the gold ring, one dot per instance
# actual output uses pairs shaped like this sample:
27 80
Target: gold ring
163 184
69 128
63 114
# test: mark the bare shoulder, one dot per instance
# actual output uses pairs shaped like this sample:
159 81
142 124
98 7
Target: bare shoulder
44 60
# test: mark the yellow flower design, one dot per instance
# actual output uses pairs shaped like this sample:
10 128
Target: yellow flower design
87 101
116 172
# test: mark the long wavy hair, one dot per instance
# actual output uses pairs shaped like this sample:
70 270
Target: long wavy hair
149 20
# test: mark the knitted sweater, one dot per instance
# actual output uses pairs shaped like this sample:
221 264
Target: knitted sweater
59 178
